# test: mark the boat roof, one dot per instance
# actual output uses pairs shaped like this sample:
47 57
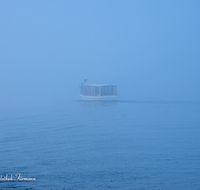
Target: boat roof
98 85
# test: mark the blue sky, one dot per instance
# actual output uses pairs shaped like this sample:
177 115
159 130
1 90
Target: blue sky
150 49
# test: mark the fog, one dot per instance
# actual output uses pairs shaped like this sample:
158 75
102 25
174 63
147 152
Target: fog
149 49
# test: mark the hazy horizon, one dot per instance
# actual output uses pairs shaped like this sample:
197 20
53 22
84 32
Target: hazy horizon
149 49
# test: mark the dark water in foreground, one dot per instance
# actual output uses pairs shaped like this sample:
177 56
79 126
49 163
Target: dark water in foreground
112 145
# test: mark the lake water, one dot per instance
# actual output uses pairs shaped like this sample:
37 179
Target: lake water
103 145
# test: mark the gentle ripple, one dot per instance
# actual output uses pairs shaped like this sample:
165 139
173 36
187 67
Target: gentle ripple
96 145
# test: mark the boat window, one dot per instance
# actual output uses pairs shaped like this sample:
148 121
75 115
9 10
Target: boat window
98 90
84 90
106 90
114 91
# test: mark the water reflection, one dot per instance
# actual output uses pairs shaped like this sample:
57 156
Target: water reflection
97 103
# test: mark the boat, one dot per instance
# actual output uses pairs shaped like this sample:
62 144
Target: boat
98 91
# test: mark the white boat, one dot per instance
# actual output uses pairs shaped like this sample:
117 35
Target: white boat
98 91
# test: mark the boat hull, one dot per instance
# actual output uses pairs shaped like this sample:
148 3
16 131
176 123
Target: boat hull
97 98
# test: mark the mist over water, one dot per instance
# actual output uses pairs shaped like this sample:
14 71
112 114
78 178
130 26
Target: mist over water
150 50
147 139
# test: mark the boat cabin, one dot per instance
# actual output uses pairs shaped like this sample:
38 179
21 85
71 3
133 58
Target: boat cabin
98 90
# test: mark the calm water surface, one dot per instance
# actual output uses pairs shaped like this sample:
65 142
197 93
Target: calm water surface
96 145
